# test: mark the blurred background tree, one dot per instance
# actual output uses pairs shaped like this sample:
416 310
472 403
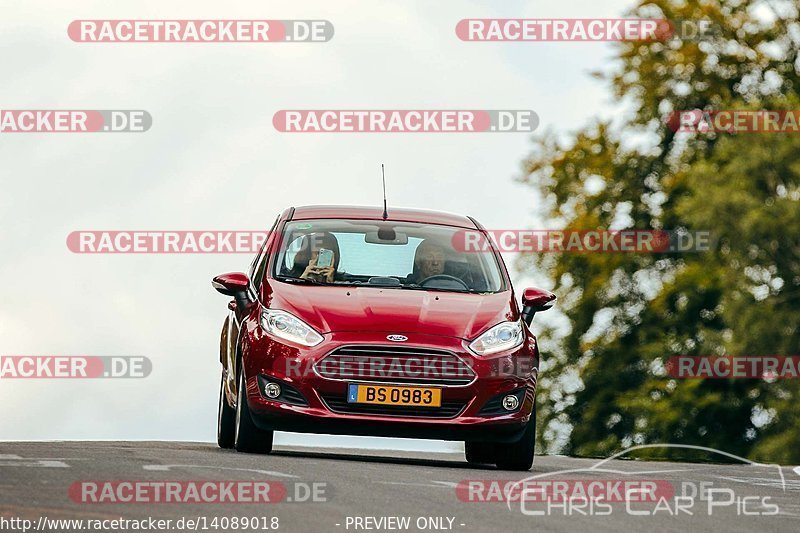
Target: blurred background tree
604 386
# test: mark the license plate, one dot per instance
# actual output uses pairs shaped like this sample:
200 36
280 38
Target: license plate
392 395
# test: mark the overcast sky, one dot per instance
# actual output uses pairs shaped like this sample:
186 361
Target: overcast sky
212 160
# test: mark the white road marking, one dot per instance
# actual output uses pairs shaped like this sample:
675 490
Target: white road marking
765 482
166 468
41 463
431 484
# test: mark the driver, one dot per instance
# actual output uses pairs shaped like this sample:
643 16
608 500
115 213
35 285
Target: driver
429 260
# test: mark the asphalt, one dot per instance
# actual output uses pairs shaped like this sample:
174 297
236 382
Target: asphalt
361 490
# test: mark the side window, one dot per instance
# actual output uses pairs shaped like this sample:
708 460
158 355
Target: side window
260 264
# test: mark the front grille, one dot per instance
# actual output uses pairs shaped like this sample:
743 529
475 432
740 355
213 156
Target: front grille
394 364
339 404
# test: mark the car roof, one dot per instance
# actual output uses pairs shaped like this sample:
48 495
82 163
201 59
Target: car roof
398 214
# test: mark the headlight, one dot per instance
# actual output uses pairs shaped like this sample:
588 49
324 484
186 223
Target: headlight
501 337
289 327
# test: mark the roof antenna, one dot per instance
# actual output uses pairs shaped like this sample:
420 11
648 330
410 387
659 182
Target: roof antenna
385 211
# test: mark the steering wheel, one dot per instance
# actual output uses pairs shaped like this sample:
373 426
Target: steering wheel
443 277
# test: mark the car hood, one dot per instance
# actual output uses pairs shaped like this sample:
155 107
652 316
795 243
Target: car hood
330 309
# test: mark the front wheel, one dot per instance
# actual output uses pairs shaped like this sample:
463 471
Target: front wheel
480 453
519 455
226 418
249 438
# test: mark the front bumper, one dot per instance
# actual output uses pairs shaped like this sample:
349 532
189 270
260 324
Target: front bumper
473 414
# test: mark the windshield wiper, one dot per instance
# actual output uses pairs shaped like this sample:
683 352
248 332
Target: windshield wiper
300 281
415 287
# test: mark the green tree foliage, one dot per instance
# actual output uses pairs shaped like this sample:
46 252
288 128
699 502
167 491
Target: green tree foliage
628 313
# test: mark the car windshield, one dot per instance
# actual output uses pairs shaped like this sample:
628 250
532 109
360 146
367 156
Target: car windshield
387 254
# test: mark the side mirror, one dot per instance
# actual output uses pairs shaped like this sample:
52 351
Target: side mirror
535 300
233 284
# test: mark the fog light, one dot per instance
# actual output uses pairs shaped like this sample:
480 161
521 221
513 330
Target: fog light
272 390
510 402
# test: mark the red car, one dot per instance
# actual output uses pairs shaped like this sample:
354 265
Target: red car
398 323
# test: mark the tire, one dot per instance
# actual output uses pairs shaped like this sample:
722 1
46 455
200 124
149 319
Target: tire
519 455
480 453
226 419
248 438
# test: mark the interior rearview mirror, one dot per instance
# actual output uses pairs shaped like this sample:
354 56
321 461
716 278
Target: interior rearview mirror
385 236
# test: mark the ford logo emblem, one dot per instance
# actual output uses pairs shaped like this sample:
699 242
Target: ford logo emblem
397 338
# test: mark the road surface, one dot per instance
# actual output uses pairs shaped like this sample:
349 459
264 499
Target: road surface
373 490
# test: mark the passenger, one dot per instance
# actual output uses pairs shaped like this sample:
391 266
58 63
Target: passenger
305 261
